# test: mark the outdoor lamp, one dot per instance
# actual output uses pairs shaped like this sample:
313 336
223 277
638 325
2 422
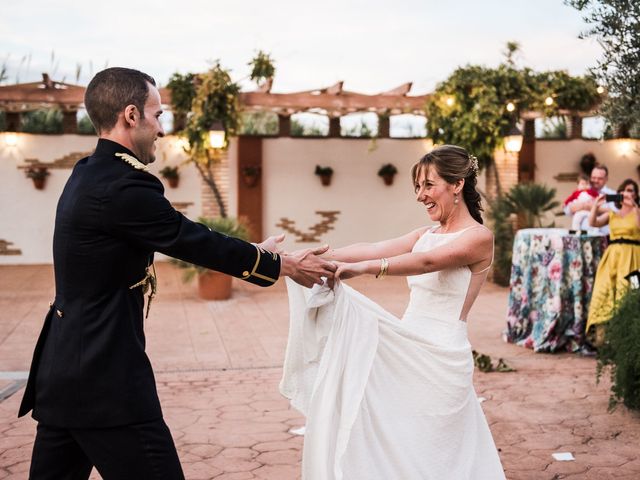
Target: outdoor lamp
513 140
10 139
216 135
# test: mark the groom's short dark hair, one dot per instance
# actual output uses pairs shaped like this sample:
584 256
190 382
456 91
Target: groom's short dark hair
111 91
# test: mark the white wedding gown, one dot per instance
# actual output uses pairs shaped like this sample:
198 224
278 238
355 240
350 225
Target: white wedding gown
384 398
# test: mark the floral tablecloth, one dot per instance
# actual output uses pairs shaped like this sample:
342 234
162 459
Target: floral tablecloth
551 281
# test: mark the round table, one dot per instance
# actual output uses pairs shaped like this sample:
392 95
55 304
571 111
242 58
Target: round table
552 275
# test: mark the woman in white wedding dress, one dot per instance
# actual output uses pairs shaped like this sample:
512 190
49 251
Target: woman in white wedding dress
388 398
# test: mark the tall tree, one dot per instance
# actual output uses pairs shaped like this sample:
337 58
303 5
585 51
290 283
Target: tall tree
616 26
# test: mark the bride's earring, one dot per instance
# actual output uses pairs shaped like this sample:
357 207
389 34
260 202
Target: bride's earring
455 198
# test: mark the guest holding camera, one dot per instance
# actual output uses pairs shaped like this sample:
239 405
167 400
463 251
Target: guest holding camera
621 257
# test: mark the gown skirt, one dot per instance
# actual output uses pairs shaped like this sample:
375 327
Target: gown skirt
384 398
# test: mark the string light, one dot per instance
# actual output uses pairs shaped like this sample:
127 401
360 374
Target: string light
510 107
548 101
600 89
450 101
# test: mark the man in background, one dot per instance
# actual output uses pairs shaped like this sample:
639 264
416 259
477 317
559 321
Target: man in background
598 179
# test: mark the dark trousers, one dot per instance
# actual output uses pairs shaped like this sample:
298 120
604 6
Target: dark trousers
137 452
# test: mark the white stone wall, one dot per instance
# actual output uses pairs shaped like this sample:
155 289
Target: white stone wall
369 210
27 215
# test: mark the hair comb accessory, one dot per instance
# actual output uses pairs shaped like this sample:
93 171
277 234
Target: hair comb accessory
474 164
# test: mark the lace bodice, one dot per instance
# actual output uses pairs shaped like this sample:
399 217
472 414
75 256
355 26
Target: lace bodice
446 295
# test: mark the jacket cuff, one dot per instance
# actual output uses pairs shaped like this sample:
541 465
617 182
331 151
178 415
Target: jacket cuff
266 268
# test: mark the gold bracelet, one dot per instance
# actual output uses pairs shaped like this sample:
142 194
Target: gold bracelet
384 266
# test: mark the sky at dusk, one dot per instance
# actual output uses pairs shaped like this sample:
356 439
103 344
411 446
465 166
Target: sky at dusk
372 45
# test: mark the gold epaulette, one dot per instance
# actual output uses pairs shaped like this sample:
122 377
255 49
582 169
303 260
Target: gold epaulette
260 251
133 161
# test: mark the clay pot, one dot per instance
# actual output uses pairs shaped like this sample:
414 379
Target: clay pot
325 179
39 183
173 181
388 179
250 181
214 285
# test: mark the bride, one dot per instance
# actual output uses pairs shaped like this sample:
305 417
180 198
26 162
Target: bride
388 398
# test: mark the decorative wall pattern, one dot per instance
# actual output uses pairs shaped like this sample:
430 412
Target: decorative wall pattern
67 161
313 234
5 250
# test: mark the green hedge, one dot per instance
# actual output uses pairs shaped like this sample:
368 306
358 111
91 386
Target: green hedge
620 354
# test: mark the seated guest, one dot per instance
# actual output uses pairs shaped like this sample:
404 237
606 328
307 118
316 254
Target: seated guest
583 193
621 257
598 179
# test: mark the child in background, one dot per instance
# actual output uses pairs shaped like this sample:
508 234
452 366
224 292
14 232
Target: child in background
582 193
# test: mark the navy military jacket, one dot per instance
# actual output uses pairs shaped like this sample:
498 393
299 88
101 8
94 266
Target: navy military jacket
89 367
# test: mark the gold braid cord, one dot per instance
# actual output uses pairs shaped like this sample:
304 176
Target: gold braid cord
133 161
149 281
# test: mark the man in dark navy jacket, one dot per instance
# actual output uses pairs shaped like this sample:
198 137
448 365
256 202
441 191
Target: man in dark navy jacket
91 386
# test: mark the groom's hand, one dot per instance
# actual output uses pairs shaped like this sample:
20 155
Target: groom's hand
306 267
272 243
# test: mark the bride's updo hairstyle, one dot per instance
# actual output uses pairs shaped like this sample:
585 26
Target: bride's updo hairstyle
453 163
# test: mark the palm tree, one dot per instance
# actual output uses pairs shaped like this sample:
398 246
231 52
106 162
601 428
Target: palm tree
531 201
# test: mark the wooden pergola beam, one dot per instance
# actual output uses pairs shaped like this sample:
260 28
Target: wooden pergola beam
333 99
346 102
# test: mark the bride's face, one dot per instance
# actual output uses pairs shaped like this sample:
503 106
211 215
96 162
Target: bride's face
435 193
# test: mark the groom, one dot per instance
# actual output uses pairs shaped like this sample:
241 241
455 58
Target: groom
91 385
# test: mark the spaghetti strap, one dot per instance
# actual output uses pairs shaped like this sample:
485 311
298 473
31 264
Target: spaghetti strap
493 252
484 269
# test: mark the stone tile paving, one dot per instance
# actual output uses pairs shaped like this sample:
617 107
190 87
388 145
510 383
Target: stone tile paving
218 368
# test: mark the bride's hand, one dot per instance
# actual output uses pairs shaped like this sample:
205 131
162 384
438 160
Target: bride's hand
349 270
272 243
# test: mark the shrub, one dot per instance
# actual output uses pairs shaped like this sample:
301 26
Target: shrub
620 353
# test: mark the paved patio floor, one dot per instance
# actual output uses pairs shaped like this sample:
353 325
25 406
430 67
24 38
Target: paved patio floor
218 365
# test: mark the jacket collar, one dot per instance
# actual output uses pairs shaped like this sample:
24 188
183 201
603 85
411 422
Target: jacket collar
108 148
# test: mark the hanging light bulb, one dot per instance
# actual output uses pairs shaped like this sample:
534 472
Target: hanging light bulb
600 89
510 107
548 101
450 101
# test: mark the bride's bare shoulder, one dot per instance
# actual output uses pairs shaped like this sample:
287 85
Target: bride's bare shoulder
478 235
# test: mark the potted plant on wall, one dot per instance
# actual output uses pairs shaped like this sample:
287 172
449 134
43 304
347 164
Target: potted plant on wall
251 175
214 285
171 174
387 172
38 175
325 174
